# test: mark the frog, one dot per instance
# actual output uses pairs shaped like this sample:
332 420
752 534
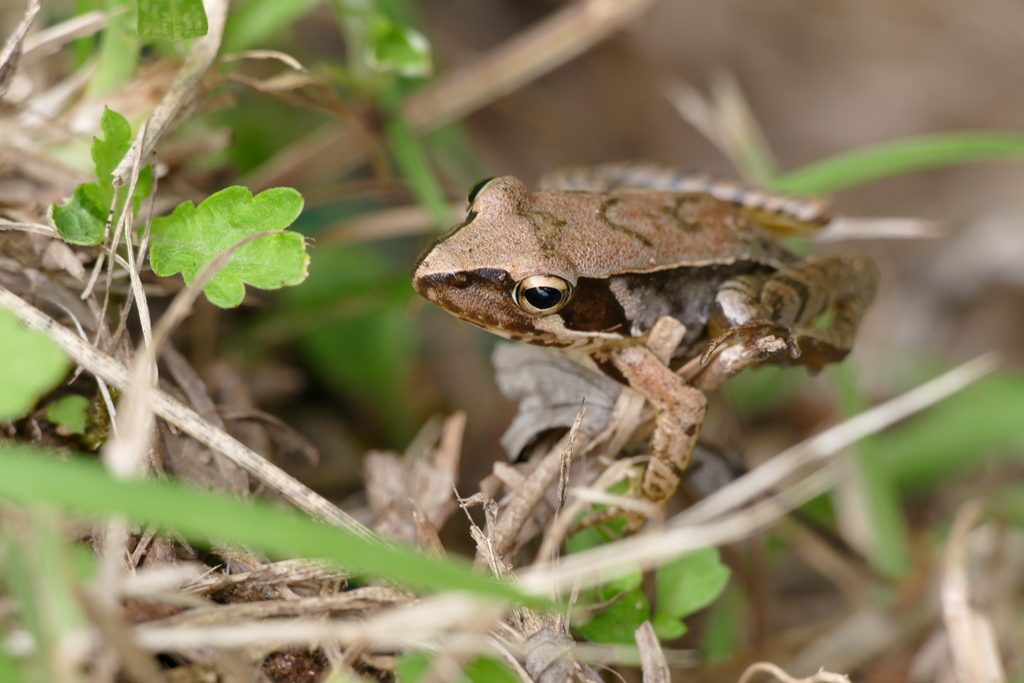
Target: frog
640 270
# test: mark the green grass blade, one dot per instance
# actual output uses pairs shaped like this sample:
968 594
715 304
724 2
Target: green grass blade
256 23
411 159
86 488
119 50
895 158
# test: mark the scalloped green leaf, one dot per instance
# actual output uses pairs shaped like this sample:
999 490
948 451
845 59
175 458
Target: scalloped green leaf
191 237
83 218
32 365
172 19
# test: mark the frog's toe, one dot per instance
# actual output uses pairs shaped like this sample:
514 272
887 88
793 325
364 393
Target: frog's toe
791 338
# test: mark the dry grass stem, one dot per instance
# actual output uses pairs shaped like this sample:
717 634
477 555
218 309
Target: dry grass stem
12 50
727 121
355 600
652 660
972 639
595 496
848 228
529 495
779 674
423 624
829 442
563 524
35 228
282 57
400 221
51 39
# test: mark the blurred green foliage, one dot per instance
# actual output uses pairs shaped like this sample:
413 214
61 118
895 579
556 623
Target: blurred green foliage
412 667
34 365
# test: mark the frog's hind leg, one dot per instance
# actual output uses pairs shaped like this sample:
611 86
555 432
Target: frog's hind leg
679 412
785 303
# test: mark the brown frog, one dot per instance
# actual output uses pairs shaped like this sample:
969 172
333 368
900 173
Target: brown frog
595 272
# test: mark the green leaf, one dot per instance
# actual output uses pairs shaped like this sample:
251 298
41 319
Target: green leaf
83 219
32 365
617 623
172 19
70 412
685 586
895 158
84 487
108 151
413 666
191 237
397 49
489 670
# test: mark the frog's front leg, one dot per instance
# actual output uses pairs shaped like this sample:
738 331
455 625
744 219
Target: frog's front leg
784 303
679 413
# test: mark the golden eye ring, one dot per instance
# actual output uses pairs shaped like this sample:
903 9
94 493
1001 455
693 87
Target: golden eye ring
477 189
542 294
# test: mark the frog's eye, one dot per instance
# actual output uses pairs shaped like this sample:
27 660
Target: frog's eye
477 189
541 294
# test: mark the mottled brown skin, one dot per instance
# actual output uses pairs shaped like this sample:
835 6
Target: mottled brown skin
625 260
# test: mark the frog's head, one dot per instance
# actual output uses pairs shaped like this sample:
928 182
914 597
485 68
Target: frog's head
500 270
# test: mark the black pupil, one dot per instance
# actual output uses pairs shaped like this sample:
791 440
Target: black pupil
543 298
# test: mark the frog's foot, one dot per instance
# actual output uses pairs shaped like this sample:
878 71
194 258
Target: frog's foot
754 330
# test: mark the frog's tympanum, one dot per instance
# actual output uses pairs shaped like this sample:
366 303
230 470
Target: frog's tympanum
595 271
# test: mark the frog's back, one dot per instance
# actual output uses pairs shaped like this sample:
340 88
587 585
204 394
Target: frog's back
605 234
